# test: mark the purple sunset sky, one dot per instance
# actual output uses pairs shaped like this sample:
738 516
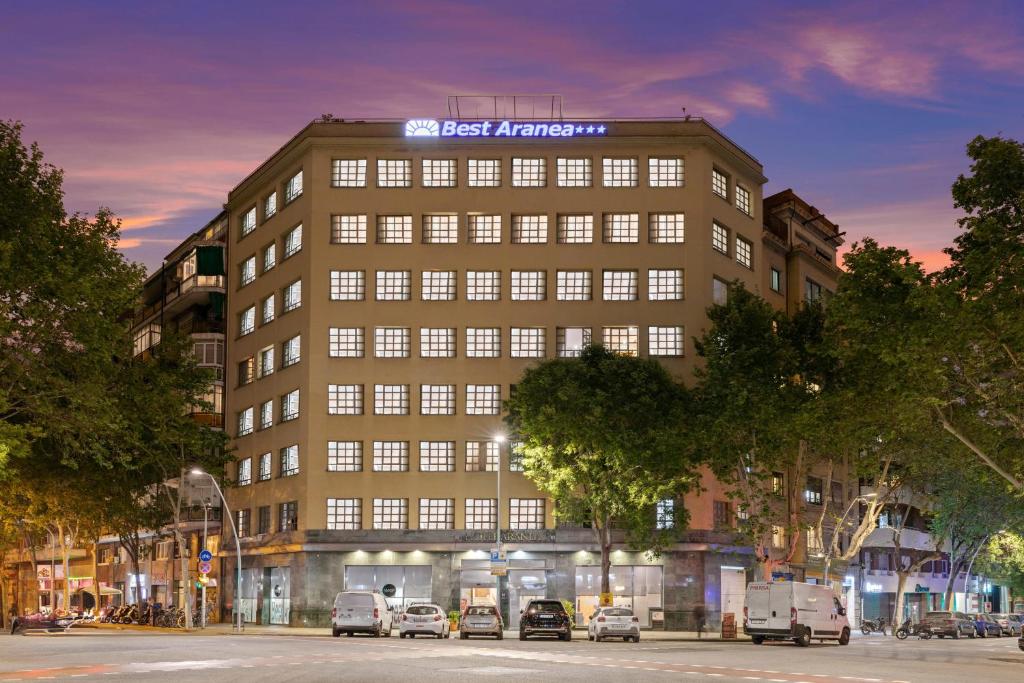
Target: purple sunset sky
157 109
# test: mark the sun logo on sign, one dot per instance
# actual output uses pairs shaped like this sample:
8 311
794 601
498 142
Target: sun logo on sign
422 128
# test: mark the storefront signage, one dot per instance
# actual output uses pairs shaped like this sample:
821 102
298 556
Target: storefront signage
388 590
918 588
872 587
508 536
452 128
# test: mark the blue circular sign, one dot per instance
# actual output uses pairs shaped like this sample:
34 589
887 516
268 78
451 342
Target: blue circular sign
205 555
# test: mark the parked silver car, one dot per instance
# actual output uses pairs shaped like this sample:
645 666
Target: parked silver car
481 620
1009 623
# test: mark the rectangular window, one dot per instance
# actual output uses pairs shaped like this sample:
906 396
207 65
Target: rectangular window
244 472
620 285
390 399
665 514
720 183
812 290
744 252
246 371
440 172
440 228
348 172
344 456
394 173
267 414
528 342
571 341
529 229
344 514
394 229
391 342
620 172
291 296
288 516
289 460
664 285
245 421
265 366
242 523
292 351
390 456
293 241
529 172
575 228
265 466
269 307
437 513
665 228
515 456
348 229
743 199
528 285
247 222
437 342
776 280
263 526
293 188
778 484
624 339
719 292
482 456
344 399
438 285
814 542
346 342
437 399
247 321
621 228
665 341
437 456
483 342
390 513
720 238
247 271
573 285
575 172
526 513
270 257
665 172
812 493
484 229
481 513
483 285
290 405
348 285
484 172
394 285
722 514
270 206
483 399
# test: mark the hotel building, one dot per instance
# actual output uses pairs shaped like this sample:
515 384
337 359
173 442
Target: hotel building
388 284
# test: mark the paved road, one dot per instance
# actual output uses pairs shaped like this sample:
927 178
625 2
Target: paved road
136 656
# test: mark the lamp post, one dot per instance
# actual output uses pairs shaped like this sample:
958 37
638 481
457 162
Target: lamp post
839 525
500 440
235 609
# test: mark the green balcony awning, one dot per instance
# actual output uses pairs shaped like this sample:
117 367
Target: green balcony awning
210 260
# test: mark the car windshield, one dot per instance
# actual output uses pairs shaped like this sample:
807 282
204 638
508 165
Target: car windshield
481 611
421 610
939 615
618 612
547 607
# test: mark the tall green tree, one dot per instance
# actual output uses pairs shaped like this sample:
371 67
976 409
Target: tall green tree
605 437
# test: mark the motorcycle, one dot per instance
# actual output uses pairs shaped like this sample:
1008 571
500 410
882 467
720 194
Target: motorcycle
908 628
869 625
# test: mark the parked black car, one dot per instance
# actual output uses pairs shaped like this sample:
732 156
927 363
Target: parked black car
545 618
952 624
986 625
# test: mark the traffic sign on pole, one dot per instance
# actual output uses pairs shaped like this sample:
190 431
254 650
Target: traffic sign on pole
205 555
204 567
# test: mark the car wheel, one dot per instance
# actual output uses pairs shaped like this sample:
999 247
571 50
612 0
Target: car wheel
844 637
522 636
501 635
590 636
568 636
757 640
401 635
463 636
804 639
636 639
335 632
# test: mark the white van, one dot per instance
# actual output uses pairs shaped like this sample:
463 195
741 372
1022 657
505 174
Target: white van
361 612
800 612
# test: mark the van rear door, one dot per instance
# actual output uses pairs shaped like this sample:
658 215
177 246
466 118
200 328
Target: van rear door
355 609
781 603
757 606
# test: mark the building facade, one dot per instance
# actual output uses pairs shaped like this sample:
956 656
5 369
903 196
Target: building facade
389 283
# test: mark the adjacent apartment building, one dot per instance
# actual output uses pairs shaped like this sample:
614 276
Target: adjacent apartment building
389 282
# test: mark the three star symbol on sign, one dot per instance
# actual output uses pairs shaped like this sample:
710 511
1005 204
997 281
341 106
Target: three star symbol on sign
590 130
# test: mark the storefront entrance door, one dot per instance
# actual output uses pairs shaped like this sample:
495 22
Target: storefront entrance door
279 587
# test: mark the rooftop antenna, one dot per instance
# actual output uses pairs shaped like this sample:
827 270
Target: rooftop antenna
686 117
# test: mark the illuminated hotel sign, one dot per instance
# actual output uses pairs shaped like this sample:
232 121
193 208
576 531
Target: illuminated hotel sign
450 128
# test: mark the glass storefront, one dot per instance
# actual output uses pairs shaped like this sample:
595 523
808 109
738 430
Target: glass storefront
525 585
476 585
638 587
249 593
411 582
279 595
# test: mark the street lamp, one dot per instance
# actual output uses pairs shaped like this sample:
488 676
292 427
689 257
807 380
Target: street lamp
500 440
839 525
235 609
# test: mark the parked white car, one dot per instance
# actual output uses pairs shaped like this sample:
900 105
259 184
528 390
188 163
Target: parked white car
424 620
614 622
789 610
361 612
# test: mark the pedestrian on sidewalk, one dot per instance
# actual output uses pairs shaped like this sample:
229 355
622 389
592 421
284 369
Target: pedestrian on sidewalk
699 616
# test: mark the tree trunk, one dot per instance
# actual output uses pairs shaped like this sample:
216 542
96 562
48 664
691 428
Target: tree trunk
901 584
604 539
954 571
65 555
186 590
